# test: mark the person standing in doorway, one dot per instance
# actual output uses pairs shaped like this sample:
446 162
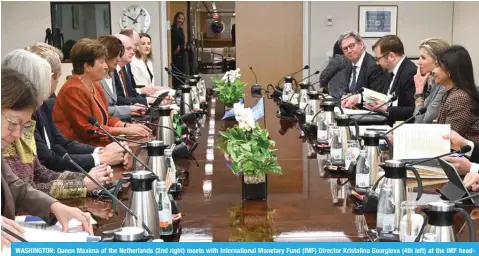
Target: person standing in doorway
178 46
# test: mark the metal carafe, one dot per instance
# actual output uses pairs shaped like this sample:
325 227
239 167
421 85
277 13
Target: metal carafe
167 135
195 96
171 168
439 221
303 95
371 146
186 99
395 175
287 88
313 106
143 202
328 108
156 159
201 88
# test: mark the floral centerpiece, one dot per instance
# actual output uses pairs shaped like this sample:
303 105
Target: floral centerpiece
229 88
249 148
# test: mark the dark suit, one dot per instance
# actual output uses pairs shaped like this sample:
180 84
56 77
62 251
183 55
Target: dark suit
403 87
80 153
19 195
370 76
475 154
133 96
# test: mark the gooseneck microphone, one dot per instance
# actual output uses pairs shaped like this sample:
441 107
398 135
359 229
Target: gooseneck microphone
393 98
93 132
294 73
255 77
175 76
114 198
93 121
421 112
315 73
462 150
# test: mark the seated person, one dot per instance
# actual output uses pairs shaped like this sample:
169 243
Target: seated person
20 155
363 71
115 52
333 76
389 51
19 100
48 137
82 96
460 105
428 93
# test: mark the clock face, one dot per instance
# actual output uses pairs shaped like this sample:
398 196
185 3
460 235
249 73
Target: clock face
135 17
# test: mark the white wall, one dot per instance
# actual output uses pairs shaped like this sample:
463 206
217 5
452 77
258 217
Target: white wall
416 21
466 27
18 32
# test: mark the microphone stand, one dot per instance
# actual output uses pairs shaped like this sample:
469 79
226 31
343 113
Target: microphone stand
114 198
462 150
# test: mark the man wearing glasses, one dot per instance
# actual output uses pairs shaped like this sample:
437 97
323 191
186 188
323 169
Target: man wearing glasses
363 71
389 51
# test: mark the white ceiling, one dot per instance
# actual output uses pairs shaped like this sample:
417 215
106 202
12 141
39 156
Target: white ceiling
221 6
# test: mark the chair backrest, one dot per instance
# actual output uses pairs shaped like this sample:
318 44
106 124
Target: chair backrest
206 57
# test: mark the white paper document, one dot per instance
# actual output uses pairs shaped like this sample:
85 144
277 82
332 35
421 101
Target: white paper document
418 141
371 96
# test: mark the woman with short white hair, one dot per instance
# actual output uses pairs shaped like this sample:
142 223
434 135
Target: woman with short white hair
21 154
34 68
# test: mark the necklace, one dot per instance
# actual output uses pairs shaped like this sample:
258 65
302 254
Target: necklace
90 89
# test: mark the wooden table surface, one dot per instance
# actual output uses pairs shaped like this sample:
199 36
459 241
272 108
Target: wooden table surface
299 205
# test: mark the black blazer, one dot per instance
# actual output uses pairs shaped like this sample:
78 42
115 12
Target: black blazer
133 96
370 76
80 153
475 153
404 88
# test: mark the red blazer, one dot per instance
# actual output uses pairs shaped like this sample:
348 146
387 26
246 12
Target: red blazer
72 107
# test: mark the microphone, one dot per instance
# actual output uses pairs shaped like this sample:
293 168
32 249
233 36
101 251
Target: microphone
294 73
255 77
93 121
93 132
171 73
421 112
114 198
19 238
315 73
462 150
372 111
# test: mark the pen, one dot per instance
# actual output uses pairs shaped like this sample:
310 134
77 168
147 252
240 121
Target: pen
19 238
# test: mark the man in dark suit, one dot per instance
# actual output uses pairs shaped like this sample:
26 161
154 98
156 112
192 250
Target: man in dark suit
124 81
48 138
389 51
363 71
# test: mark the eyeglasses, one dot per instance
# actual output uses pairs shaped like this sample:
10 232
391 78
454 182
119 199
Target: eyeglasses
15 124
377 59
349 47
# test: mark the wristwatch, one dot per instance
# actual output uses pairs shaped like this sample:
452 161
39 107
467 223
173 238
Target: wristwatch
418 95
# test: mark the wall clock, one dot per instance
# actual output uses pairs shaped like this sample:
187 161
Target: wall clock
136 18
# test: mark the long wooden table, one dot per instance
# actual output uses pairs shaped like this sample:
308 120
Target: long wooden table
299 205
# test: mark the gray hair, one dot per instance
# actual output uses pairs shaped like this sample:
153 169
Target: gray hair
50 53
349 34
34 67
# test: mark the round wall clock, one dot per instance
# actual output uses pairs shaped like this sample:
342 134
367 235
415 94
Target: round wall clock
136 18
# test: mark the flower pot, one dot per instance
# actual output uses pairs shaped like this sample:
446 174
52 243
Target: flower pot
254 191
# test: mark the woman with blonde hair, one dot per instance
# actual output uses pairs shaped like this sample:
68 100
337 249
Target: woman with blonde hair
428 93
21 154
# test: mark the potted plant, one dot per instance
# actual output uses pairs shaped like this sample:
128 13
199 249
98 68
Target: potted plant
230 89
251 152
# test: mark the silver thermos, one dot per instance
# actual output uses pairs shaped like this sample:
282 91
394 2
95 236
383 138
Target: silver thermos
303 95
156 160
201 88
395 176
312 106
143 202
195 95
164 134
438 226
371 146
186 99
328 108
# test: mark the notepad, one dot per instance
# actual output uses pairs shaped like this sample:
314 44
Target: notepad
370 96
420 141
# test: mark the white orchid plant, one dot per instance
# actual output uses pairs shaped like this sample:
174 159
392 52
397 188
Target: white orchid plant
249 147
230 89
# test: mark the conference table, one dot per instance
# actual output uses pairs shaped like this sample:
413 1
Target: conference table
299 205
